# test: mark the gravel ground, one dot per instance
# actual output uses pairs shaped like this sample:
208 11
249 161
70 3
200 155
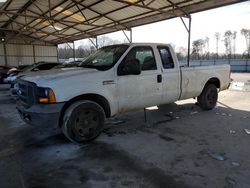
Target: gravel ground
178 146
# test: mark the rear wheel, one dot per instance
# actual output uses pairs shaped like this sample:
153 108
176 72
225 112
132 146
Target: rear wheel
83 121
208 98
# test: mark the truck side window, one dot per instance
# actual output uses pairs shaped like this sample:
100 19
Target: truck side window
166 58
145 56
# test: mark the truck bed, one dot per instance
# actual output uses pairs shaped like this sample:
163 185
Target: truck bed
193 79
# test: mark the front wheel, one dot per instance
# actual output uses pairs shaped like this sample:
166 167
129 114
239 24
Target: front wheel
208 98
83 121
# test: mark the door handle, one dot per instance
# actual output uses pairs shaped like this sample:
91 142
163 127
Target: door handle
159 78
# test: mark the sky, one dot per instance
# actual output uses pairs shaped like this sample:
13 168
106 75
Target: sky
204 24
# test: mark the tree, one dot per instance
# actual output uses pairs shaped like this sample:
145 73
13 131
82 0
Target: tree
246 34
181 53
228 37
234 45
198 48
83 51
206 46
105 41
217 38
65 52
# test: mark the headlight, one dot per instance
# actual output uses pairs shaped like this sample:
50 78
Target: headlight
45 95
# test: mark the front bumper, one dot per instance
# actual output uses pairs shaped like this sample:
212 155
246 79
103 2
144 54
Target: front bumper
42 115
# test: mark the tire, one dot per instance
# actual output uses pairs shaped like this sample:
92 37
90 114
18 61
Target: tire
208 98
83 121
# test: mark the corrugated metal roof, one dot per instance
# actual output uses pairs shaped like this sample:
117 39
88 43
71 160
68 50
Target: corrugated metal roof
59 21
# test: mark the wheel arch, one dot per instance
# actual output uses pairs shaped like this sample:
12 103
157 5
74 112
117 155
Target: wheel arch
99 99
215 81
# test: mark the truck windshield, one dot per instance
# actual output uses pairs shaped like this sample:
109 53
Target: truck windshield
105 57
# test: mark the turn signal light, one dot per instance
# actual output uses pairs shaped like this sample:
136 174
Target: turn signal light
52 97
46 95
43 100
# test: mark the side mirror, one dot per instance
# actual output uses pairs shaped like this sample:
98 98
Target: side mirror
130 67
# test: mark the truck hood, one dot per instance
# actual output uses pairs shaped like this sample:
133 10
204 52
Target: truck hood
55 74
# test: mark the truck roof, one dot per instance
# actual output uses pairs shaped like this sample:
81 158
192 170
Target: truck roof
144 43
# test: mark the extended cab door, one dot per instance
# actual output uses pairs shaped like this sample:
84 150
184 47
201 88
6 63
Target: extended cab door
145 89
170 75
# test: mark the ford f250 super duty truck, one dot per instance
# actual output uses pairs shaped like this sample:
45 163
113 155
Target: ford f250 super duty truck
113 80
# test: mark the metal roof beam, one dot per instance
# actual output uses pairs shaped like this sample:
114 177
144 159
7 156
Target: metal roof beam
102 15
97 17
145 6
65 29
19 11
33 39
110 25
33 31
46 12
36 17
7 4
181 9
59 4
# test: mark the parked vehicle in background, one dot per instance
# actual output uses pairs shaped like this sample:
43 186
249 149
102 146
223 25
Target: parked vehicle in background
18 69
40 66
14 71
113 80
68 65
3 72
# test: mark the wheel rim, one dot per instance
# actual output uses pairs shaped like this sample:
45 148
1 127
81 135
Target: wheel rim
211 96
86 123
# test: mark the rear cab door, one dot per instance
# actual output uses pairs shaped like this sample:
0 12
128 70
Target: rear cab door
170 74
145 89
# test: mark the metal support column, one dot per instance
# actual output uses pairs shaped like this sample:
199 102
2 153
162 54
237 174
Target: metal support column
188 28
5 54
57 53
74 51
189 40
130 37
96 42
34 53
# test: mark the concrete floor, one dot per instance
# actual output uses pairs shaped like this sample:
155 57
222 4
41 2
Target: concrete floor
179 146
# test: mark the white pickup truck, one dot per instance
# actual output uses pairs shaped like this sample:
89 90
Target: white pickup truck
113 80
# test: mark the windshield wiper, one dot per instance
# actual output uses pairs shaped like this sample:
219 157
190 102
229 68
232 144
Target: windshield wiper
88 66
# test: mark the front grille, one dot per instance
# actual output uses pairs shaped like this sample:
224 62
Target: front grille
26 91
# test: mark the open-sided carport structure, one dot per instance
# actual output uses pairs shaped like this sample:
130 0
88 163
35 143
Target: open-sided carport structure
51 22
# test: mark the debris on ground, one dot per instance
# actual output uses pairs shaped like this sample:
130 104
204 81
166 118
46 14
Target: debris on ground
223 114
232 132
247 131
219 157
152 108
230 181
166 138
115 121
118 122
195 112
177 117
234 163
